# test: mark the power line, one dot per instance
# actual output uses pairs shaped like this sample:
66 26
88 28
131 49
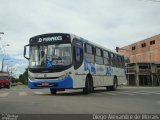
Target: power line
151 0
154 0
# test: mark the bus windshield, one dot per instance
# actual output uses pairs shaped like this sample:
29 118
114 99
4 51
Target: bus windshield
50 55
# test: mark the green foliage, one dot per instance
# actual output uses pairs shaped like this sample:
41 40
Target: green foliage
24 77
14 80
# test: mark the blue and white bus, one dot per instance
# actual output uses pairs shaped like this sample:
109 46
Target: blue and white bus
60 61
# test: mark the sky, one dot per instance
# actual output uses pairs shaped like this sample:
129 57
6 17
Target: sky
109 23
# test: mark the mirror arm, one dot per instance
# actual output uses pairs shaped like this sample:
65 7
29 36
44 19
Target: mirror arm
24 54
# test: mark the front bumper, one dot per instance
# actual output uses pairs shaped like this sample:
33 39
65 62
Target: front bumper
65 83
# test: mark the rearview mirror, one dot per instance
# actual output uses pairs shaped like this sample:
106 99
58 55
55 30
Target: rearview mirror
26 52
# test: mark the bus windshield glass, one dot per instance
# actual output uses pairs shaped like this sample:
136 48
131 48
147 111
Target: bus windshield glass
50 55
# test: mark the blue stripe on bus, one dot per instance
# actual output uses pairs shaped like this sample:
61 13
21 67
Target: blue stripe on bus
65 83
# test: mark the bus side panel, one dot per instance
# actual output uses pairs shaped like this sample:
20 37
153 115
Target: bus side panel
122 80
102 75
79 81
121 77
79 77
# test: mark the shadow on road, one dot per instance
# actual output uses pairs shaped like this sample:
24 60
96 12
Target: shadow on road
74 93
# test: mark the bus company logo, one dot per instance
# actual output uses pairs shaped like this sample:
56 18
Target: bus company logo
109 71
50 39
40 40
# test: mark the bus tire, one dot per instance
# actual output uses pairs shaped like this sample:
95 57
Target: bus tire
114 86
53 91
8 87
88 86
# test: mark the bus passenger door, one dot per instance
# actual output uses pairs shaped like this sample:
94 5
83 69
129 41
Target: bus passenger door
77 50
77 54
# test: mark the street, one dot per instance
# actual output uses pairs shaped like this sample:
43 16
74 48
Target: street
21 100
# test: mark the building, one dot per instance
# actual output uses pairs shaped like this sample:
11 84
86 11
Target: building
143 74
147 50
143 59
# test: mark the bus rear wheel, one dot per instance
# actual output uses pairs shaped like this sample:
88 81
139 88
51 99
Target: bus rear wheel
114 86
88 86
53 91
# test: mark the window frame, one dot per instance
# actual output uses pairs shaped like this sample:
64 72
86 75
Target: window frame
88 55
143 45
108 57
133 47
99 56
153 42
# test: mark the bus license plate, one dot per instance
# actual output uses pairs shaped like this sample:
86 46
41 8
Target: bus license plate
45 84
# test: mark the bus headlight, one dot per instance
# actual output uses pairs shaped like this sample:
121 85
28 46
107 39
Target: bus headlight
31 78
62 77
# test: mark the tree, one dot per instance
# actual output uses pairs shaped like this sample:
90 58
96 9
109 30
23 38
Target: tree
24 77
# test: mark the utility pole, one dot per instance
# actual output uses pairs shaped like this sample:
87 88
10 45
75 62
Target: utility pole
1 33
1 48
2 64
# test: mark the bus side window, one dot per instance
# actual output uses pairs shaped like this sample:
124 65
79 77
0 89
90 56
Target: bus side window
106 58
99 56
122 62
111 59
116 60
89 53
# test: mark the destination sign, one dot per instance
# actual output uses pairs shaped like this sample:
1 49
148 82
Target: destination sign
50 38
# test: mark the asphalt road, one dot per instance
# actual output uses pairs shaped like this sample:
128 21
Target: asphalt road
21 100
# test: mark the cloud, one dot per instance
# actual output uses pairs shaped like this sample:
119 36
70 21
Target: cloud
109 23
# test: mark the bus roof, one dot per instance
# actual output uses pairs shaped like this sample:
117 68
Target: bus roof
86 41
97 45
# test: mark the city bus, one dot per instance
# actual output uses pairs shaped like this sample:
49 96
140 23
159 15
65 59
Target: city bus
60 61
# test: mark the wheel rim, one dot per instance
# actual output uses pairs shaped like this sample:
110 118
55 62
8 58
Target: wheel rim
115 84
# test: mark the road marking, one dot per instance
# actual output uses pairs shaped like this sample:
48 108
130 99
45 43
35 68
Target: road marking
158 102
99 94
39 93
4 94
67 91
22 93
111 93
157 93
13 88
141 92
127 93
154 93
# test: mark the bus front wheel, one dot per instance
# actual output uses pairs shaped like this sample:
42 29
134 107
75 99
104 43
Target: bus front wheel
53 91
88 86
